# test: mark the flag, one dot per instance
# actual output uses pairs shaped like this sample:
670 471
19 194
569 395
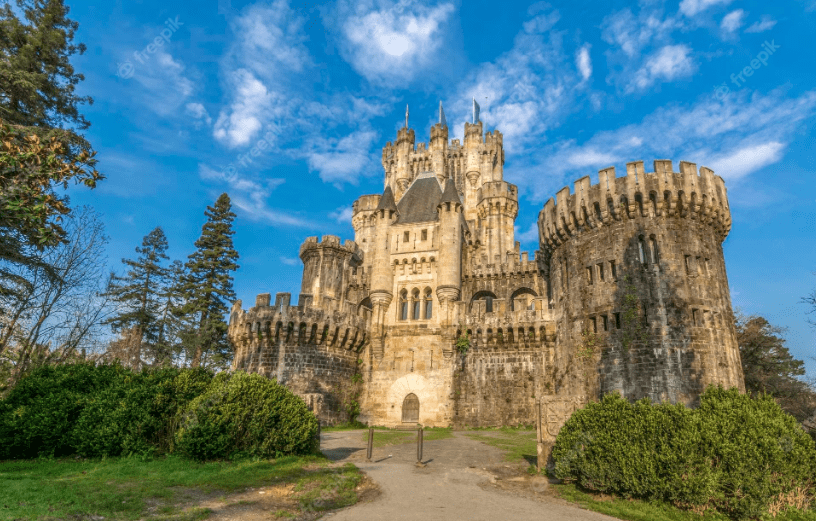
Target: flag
442 120
475 111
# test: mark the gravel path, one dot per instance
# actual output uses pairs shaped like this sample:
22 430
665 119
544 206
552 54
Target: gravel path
463 480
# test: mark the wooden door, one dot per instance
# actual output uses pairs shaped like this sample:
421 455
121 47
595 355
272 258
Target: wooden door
410 409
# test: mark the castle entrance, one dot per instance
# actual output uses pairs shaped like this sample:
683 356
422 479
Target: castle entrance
410 409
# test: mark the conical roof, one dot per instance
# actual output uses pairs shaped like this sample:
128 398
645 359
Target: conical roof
450 195
387 200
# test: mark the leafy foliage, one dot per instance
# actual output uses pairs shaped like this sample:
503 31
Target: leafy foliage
739 455
108 410
246 414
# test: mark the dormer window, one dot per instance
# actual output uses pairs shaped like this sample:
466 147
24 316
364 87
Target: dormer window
406 237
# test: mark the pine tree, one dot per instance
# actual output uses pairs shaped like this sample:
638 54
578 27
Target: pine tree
171 323
207 289
138 296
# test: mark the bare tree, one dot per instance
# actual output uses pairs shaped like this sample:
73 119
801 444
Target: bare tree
54 319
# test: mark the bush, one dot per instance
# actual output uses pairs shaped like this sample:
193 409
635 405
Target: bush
742 456
246 414
104 410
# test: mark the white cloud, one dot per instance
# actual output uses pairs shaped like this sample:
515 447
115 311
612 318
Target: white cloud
668 63
583 62
741 162
632 34
198 112
165 81
732 21
289 261
693 7
735 137
242 121
344 160
342 215
392 42
764 24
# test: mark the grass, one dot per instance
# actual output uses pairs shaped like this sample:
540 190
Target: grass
132 488
344 427
519 444
384 437
636 510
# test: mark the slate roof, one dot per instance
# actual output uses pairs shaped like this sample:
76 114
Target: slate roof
450 195
419 202
387 200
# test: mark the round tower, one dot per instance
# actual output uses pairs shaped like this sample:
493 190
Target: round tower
325 266
638 278
382 274
449 278
438 150
497 211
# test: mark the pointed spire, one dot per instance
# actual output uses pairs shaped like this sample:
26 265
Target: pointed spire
450 195
475 111
406 115
442 120
387 200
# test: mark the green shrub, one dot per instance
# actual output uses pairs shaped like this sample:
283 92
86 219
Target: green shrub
37 417
736 454
246 414
92 410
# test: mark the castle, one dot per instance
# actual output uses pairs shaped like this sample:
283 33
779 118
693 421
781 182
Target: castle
434 309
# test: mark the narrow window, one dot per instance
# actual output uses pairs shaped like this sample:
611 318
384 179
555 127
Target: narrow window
617 321
600 272
593 324
695 317
589 275
653 249
613 270
424 235
688 264
605 322
404 305
405 237
415 305
428 304
488 304
699 267
641 252
707 268
707 319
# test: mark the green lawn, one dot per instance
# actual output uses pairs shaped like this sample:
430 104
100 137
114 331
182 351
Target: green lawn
634 510
519 444
165 488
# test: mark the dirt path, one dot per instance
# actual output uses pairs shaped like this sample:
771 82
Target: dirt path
463 480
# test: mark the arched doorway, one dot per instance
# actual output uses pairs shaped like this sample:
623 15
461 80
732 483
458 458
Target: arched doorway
410 409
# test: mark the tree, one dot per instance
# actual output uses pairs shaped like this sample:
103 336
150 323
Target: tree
810 300
39 143
37 80
138 296
55 319
769 367
207 288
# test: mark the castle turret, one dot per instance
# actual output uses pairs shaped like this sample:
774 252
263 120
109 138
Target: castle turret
382 275
402 149
438 150
449 278
497 211
473 165
325 265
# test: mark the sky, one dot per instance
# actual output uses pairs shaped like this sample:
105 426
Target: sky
286 107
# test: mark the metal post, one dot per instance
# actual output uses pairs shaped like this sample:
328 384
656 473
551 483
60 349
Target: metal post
420 436
370 444
539 436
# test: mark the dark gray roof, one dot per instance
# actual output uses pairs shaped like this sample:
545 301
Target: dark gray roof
387 200
450 195
419 202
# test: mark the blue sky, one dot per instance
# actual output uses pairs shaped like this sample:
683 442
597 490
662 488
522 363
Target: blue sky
286 106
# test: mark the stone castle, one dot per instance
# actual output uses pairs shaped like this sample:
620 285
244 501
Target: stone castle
445 322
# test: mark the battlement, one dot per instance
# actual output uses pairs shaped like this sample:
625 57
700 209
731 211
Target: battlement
494 140
513 263
438 132
297 325
506 326
328 242
365 203
497 189
687 193
473 131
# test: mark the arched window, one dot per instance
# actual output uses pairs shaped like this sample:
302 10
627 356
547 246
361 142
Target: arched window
487 296
415 303
403 310
641 250
527 295
428 303
653 249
